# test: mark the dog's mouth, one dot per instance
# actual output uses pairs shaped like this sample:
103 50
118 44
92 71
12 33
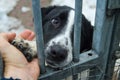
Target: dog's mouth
50 63
56 65
53 64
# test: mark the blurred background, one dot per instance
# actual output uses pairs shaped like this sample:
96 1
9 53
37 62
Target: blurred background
16 15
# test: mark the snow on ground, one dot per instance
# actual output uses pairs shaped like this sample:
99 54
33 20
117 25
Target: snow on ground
7 5
7 23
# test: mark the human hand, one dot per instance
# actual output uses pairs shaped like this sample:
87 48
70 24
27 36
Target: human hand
16 65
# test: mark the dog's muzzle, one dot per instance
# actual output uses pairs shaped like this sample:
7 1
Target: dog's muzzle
56 54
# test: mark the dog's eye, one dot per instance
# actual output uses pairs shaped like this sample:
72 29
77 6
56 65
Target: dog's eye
55 22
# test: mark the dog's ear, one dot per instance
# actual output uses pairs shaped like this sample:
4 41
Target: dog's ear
46 10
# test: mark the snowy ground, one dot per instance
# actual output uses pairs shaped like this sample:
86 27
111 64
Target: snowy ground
7 23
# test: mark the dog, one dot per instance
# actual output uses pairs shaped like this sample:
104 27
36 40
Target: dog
58 29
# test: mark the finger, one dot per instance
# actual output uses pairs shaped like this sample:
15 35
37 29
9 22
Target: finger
27 34
31 37
11 36
8 36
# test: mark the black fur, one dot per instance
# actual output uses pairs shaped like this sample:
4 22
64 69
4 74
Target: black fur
86 35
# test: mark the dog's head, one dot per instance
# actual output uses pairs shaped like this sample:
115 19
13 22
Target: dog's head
57 27
58 22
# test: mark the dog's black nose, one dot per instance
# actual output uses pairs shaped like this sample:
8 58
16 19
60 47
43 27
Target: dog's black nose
58 53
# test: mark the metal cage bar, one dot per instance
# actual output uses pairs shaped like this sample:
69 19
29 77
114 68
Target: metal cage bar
98 29
77 29
77 32
39 33
97 43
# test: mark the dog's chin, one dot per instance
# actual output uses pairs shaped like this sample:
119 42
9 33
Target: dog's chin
56 65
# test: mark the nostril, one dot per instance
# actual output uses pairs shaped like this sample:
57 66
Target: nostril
62 56
53 52
58 53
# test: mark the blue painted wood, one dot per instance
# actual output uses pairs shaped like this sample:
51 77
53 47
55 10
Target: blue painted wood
39 33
